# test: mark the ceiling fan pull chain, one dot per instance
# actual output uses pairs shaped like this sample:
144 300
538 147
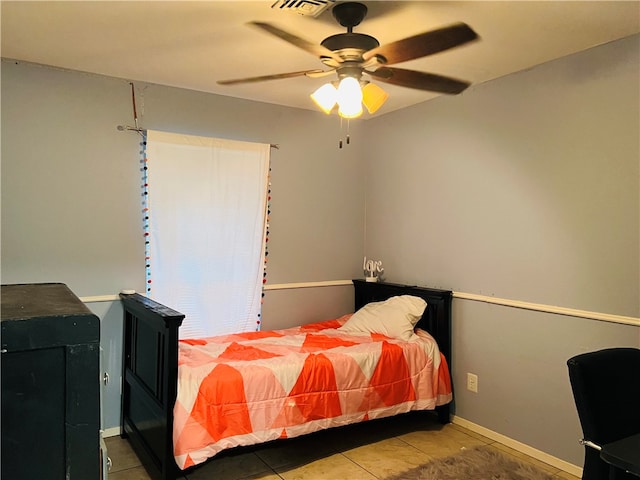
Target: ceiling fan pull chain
348 136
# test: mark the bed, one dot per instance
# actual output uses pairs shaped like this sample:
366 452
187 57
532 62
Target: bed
165 429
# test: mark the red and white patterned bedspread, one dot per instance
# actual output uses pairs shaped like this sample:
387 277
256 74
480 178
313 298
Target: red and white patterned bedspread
253 387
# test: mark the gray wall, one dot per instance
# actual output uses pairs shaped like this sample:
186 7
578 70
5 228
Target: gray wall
71 182
71 205
524 188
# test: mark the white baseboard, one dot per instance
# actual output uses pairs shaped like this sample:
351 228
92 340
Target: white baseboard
110 432
520 447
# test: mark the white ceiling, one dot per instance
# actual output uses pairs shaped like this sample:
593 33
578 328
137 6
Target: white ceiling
193 44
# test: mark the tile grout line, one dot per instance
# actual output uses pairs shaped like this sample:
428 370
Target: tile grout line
360 466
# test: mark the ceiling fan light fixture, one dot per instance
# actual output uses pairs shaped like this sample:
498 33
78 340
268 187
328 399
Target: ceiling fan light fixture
349 98
325 97
350 111
373 97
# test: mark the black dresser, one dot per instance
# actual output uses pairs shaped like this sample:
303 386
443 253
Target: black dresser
50 384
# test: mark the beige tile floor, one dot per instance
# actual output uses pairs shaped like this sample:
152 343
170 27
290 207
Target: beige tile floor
369 451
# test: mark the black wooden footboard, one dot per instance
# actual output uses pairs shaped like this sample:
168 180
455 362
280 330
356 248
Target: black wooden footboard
150 372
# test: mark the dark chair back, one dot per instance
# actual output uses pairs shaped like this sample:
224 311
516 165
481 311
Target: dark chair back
606 389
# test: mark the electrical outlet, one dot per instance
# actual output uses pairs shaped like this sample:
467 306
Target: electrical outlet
472 382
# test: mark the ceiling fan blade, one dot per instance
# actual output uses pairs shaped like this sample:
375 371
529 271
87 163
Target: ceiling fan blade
277 76
313 48
419 80
423 44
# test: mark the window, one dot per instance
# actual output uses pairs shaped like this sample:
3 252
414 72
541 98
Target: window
206 200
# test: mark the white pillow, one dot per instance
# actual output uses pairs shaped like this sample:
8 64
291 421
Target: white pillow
395 317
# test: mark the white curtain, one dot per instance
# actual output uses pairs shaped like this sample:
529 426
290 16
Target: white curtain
207 201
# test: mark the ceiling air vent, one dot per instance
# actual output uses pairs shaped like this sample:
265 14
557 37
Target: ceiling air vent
311 8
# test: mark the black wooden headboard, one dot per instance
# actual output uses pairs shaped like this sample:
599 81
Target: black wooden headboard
437 316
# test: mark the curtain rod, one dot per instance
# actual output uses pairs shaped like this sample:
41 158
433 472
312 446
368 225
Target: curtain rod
122 128
127 128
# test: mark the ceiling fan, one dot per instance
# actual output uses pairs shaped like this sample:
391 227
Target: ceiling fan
352 55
